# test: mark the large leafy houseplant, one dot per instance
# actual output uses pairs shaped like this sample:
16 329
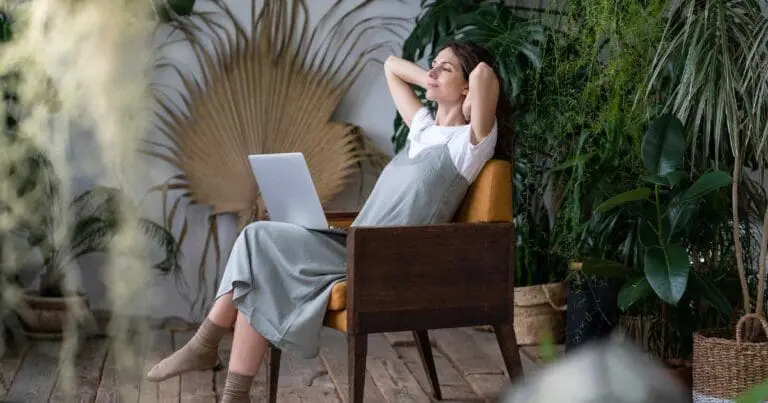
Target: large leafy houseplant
719 50
674 246
661 212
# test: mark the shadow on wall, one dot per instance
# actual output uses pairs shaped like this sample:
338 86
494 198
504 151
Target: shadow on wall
607 372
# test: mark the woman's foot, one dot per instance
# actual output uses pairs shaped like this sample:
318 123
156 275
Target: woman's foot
200 353
237 388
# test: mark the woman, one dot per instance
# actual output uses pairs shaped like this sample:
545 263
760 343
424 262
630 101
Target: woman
278 279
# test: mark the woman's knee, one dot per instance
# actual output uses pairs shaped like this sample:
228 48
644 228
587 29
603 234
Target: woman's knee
259 229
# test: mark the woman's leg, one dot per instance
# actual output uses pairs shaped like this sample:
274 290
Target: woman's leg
248 350
201 352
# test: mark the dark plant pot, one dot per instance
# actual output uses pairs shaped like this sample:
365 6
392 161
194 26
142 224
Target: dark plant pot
592 311
44 318
681 371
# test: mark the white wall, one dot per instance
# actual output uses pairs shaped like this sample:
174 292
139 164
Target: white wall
367 104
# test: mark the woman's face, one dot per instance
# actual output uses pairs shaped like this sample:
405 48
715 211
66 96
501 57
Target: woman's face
445 80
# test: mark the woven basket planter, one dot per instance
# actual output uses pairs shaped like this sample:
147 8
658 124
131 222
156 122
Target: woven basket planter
45 318
539 309
723 367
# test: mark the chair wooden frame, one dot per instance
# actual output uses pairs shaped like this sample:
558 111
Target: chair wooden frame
418 278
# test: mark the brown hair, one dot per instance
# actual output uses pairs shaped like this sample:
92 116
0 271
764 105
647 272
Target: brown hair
470 55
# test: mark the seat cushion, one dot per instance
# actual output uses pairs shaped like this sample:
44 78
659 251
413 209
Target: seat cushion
336 320
338 300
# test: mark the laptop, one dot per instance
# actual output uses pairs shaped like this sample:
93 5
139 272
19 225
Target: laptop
288 191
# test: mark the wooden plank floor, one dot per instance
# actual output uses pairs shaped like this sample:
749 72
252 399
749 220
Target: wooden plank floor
470 369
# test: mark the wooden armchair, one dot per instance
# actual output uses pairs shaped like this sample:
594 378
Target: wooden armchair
417 278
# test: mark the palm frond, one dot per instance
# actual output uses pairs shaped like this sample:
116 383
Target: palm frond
710 42
265 87
163 238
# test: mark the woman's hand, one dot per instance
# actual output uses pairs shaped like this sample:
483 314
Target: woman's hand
400 74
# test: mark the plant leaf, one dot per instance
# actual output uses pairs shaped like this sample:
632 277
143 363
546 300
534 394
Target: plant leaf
622 198
648 236
603 268
657 180
678 218
709 292
635 289
674 177
663 145
667 269
706 183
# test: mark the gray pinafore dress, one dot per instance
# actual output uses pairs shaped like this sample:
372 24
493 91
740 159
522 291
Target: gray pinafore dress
281 275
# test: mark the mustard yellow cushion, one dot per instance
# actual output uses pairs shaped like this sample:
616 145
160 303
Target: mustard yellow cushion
489 198
336 320
338 301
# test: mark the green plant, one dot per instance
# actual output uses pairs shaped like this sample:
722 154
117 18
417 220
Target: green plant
662 213
718 51
97 217
64 232
535 261
580 109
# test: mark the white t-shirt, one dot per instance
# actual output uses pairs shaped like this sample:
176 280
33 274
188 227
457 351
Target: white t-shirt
469 159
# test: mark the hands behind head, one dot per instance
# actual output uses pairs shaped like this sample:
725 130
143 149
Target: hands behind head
481 76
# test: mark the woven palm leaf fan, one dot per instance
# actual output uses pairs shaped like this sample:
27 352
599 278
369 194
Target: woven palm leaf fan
268 87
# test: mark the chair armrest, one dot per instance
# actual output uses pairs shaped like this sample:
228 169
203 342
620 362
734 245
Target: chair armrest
340 219
463 270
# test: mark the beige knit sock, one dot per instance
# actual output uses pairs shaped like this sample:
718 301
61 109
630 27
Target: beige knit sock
237 388
200 353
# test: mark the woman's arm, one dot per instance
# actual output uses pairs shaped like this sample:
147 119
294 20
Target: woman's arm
400 74
480 105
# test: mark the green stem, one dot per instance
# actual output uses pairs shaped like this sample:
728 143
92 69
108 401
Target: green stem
659 230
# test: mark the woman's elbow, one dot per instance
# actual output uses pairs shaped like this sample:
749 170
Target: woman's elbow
388 63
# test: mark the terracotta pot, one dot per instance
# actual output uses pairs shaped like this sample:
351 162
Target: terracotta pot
44 318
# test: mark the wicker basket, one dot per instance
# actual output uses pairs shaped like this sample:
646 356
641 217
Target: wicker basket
724 368
539 308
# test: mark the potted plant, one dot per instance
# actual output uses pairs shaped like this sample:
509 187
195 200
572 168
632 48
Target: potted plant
63 232
539 288
659 214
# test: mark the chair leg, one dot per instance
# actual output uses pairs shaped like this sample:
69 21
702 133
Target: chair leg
357 350
273 373
505 335
428 360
